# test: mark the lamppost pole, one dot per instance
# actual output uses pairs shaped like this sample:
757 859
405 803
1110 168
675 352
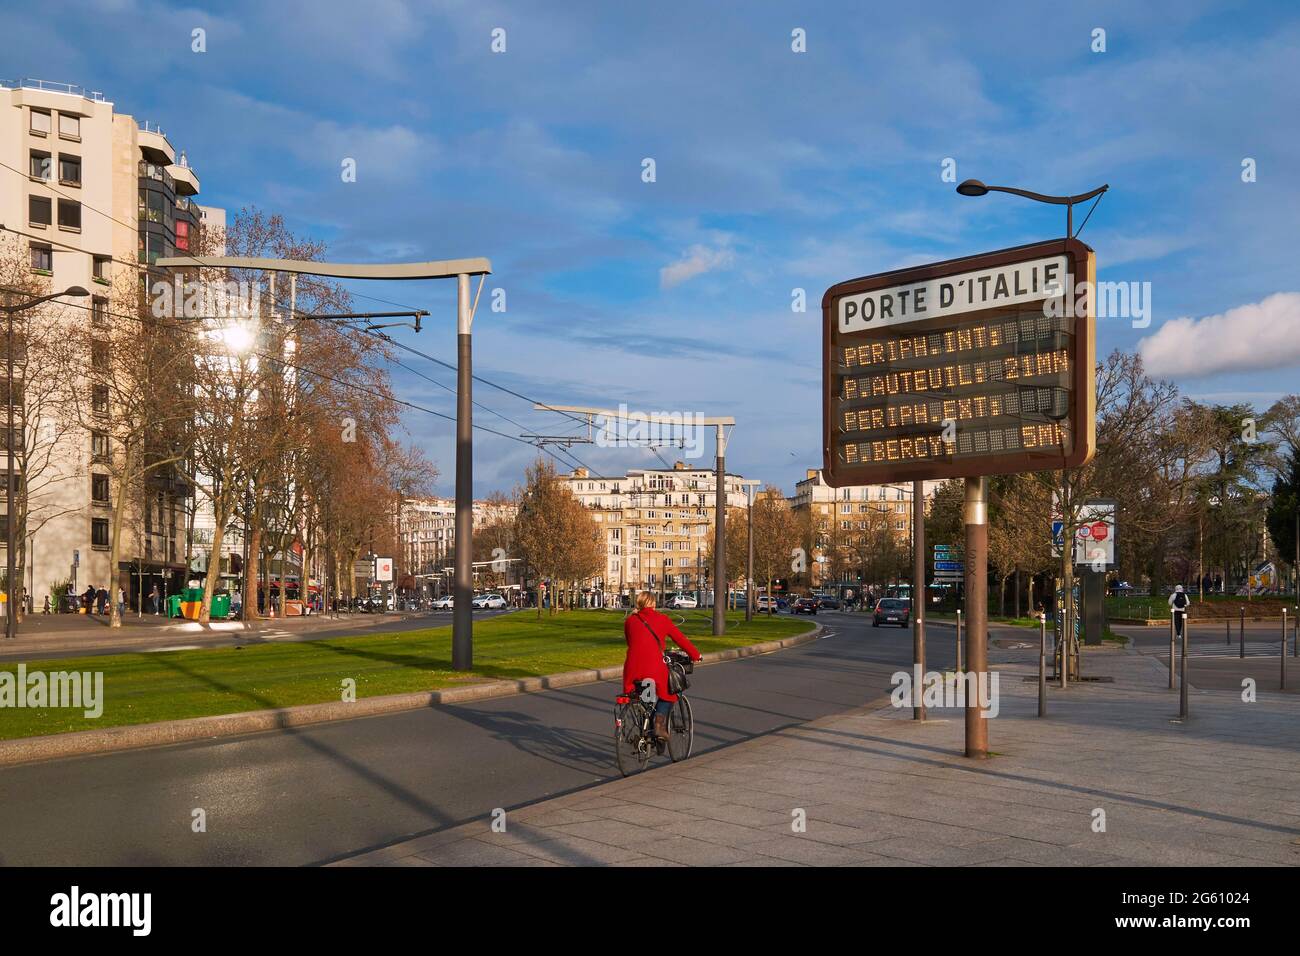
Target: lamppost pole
973 187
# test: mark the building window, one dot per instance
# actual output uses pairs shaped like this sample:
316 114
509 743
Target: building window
99 489
40 166
38 211
99 398
69 170
99 445
182 235
103 268
99 355
42 258
69 214
99 310
69 126
99 532
40 123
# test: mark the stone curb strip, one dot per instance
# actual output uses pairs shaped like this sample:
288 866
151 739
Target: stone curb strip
130 737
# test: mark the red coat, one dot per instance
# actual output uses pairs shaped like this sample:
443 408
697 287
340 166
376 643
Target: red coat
645 655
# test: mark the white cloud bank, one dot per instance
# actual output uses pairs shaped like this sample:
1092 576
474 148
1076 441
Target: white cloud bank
697 261
1258 335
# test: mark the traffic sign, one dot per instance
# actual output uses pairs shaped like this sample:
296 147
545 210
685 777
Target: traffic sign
949 566
983 365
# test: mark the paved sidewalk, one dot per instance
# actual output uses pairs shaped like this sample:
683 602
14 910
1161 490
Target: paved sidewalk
881 790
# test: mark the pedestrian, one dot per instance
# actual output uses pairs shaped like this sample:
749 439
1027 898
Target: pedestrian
102 597
1178 602
153 599
88 599
121 601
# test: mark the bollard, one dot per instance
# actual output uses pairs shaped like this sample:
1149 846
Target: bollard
1283 655
1241 633
1295 633
1227 632
1042 665
1182 691
1172 648
957 662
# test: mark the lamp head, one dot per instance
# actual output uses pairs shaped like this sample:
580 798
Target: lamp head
973 187
75 292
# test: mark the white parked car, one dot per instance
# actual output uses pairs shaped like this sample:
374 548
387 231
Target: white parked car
488 602
444 603
683 601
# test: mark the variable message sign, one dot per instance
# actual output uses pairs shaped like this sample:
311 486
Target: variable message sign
977 366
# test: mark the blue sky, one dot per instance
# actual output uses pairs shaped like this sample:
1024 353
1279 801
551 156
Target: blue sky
775 170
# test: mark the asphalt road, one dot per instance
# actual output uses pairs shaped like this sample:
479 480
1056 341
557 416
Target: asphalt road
314 794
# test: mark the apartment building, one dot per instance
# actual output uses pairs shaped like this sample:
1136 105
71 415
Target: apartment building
657 524
90 193
427 538
841 517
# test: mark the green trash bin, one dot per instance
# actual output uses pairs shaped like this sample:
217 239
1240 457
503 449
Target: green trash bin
173 605
220 606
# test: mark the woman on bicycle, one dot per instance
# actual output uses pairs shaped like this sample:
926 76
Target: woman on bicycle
646 633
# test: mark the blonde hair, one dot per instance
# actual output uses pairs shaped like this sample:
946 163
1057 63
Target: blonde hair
644 599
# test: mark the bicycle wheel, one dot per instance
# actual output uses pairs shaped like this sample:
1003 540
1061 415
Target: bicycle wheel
631 751
681 730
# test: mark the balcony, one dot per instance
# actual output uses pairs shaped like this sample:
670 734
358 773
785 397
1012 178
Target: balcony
187 184
153 144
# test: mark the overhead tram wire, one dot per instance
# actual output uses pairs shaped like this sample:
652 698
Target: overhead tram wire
393 341
373 393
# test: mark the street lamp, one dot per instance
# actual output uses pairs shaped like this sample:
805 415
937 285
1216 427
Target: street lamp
73 292
973 187
462 641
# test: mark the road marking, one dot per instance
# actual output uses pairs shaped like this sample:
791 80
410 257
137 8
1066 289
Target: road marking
826 634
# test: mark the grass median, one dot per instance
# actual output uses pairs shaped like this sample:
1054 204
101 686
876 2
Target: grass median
170 685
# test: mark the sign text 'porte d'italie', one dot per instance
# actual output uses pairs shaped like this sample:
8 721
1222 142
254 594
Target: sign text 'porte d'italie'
977 366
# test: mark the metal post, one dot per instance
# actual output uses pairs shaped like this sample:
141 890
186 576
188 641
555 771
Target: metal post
918 594
1241 633
1283 654
1042 665
10 604
749 560
1227 632
462 621
956 664
1182 690
1173 627
720 538
975 517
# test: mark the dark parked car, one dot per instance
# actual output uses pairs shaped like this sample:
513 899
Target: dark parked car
891 611
829 603
804 605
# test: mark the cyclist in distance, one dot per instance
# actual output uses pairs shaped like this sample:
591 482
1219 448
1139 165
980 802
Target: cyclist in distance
646 633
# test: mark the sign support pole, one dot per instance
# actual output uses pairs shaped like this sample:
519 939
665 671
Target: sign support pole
918 596
975 517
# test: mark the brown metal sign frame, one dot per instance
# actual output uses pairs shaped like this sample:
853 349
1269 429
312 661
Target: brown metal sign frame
1081 264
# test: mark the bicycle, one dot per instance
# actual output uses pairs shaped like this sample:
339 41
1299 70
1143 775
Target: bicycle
634 739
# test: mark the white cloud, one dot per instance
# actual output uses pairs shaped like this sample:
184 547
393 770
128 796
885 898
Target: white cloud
697 261
1255 336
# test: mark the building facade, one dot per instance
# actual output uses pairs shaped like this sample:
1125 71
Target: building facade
841 518
103 198
657 525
